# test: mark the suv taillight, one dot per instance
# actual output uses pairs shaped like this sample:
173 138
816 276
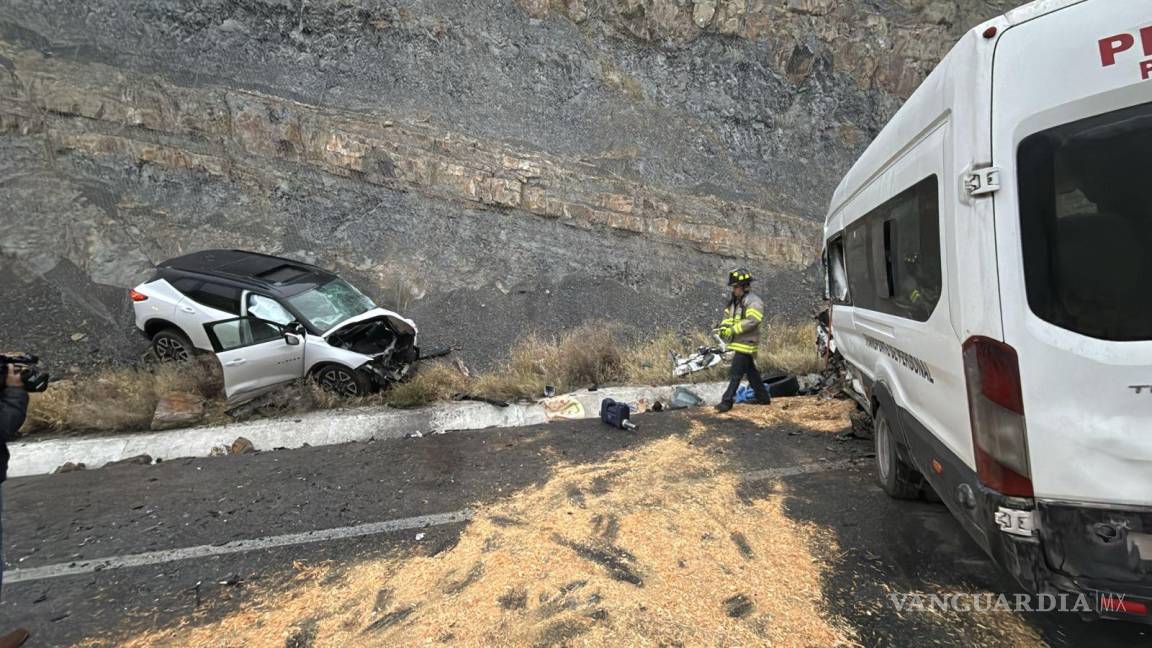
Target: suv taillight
137 296
996 405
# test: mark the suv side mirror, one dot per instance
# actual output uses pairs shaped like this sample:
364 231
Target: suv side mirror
291 339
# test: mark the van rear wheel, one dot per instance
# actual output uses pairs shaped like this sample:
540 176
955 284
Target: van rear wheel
896 477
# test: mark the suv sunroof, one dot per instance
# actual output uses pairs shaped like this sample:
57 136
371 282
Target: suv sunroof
283 274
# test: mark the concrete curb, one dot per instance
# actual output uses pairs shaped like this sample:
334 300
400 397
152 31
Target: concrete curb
323 428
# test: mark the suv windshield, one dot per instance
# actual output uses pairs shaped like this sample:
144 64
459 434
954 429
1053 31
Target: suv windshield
326 306
1086 224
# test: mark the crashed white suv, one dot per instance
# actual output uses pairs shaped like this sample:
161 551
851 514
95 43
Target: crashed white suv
271 320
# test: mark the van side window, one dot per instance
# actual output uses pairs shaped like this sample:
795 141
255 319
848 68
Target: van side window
893 254
1086 224
218 296
837 277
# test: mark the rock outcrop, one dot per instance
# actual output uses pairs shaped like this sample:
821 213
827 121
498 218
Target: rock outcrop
489 167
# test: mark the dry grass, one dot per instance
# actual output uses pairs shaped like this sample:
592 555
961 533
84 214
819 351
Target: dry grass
789 347
651 546
122 399
593 354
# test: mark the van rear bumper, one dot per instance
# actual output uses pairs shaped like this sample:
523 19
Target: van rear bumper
1102 553
1076 548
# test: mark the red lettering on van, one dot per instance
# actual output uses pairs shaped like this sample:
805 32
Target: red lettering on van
1146 70
1113 45
1146 36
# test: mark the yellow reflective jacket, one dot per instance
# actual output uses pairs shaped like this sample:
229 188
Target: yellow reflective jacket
744 318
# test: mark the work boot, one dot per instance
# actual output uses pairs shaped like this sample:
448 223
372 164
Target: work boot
764 401
724 406
14 639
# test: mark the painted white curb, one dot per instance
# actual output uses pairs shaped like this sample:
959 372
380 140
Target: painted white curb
316 429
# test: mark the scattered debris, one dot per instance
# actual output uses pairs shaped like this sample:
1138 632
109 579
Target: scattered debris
682 397
76 337
496 402
69 467
616 414
420 536
138 460
614 570
241 446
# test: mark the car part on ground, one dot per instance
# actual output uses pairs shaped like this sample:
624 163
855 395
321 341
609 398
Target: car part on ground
616 414
782 385
704 358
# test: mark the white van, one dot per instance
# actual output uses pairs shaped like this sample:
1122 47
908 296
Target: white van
987 262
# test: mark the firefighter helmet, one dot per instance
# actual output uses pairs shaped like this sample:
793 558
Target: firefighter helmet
739 276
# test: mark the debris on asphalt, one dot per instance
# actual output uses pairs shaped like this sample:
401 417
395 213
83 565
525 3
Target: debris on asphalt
138 460
69 467
616 414
495 402
683 397
641 546
241 446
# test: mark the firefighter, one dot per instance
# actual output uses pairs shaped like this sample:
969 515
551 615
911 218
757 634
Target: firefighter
741 330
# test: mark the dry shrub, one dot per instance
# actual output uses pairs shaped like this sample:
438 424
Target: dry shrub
597 353
625 551
789 347
432 383
121 399
591 354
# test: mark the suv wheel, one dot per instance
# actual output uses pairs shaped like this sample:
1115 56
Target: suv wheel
343 381
170 345
896 477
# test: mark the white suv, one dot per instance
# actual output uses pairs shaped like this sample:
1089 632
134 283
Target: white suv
271 320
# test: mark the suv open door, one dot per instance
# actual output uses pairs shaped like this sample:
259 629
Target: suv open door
255 354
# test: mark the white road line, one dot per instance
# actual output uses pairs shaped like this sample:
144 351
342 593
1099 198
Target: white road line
801 469
374 528
238 546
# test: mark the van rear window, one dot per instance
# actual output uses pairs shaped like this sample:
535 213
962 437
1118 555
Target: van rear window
1086 224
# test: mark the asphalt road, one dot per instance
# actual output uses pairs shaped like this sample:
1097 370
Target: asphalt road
884 546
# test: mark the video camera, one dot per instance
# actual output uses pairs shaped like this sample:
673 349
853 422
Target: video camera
34 379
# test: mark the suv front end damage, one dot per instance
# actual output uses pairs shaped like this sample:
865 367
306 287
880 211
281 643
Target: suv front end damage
387 340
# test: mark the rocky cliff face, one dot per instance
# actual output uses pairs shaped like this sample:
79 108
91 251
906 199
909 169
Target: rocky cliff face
491 167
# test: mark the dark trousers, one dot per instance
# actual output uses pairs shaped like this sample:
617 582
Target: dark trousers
744 366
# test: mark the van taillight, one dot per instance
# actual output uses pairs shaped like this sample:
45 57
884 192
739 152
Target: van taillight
137 296
996 405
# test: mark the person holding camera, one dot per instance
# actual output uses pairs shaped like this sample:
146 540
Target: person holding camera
13 410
